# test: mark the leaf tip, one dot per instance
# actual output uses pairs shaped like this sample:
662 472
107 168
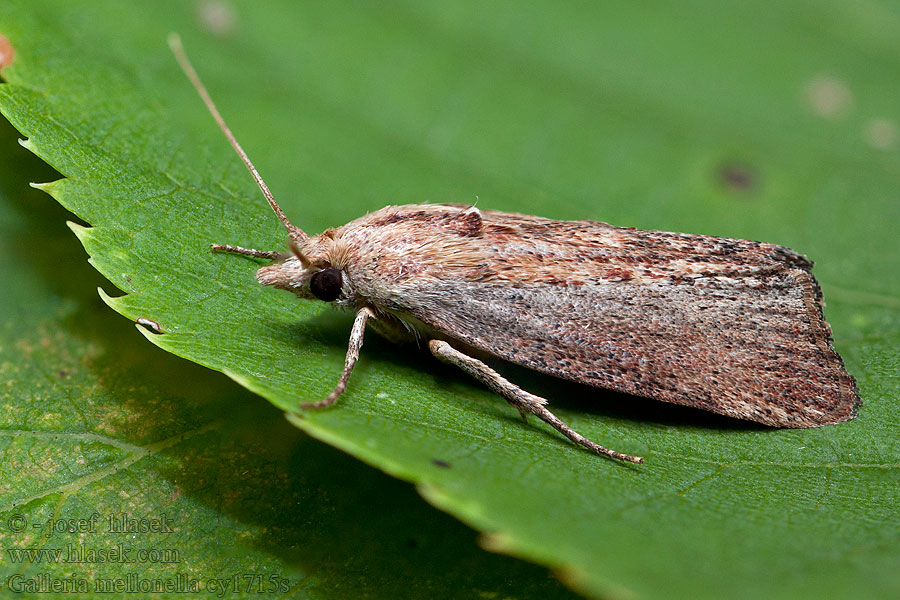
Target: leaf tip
82 232
47 187
76 227
110 301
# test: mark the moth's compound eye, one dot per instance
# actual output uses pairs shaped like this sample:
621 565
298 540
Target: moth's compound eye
326 284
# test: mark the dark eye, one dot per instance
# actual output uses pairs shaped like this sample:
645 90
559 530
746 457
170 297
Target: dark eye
326 284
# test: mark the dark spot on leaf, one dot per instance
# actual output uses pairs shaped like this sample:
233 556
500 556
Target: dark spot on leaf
737 176
440 463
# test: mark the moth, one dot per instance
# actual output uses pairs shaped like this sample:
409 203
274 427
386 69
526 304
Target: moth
725 325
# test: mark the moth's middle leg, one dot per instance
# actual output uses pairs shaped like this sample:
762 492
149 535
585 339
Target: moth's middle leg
524 401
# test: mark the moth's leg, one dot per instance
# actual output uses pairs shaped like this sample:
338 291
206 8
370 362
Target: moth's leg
270 255
519 398
356 342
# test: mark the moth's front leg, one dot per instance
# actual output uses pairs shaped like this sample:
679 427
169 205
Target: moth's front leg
519 398
356 342
267 254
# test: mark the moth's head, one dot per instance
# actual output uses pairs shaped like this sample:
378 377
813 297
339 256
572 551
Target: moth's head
313 270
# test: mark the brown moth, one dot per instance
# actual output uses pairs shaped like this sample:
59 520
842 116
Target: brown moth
725 325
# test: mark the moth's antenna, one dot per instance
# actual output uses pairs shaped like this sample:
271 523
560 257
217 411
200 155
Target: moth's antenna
295 233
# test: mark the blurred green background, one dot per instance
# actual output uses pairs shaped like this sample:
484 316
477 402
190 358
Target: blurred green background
775 121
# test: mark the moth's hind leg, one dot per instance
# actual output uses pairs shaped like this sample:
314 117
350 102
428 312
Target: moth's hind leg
267 254
519 398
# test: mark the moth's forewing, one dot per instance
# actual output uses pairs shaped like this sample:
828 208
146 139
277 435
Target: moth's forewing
730 326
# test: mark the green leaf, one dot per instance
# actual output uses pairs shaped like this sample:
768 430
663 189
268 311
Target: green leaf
772 121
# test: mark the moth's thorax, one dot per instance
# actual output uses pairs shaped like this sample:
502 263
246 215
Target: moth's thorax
385 252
